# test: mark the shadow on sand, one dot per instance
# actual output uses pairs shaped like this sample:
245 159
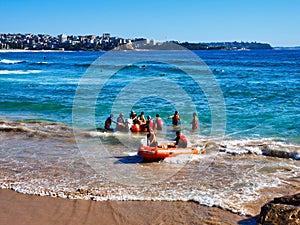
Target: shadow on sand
135 159
248 221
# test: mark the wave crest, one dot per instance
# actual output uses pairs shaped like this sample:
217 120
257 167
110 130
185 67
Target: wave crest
8 72
9 61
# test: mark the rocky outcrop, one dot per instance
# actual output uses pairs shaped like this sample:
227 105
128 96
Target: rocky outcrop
281 211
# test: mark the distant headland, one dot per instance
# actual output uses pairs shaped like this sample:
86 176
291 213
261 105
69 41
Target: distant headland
106 42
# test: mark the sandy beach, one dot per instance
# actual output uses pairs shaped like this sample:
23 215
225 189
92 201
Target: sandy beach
20 209
49 145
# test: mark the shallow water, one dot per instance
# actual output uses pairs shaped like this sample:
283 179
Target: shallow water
260 88
51 147
231 174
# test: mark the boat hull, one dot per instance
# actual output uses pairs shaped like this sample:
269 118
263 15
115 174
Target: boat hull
162 152
137 128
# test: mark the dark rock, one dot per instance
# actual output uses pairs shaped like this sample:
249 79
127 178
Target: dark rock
281 211
288 200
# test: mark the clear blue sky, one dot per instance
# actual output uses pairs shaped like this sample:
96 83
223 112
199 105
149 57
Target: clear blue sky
273 21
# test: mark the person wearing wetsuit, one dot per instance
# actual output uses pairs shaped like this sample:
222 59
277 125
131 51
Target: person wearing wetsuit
108 122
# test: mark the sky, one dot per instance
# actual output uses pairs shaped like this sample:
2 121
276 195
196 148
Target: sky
276 22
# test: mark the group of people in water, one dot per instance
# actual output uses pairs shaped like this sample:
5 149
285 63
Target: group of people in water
149 125
145 124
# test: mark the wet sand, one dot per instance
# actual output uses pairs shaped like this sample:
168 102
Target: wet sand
20 209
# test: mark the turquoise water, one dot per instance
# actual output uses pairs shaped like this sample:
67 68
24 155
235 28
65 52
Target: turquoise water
249 98
260 88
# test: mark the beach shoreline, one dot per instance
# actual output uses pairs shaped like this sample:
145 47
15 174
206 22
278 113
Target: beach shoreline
256 160
17 208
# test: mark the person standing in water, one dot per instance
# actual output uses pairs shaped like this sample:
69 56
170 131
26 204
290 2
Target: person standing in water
141 118
158 122
195 122
150 124
175 118
142 121
133 116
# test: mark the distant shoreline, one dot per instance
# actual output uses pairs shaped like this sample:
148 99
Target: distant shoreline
135 50
27 50
106 42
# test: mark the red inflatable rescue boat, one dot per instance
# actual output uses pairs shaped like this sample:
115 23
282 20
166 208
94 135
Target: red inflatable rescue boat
165 151
138 128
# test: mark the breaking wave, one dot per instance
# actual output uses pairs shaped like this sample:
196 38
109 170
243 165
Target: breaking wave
9 61
8 72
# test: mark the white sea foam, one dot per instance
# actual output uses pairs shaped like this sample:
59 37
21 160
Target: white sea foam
212 178
8 61
105 134
8 72
182 159
131 153
42 62
265 146
232 196
5 127
99 134
207 198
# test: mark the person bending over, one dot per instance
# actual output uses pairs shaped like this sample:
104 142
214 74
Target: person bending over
180 140
151 139
120 123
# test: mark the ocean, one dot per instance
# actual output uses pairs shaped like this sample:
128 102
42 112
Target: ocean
247 102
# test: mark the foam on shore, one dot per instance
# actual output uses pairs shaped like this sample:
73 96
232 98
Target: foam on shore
42 158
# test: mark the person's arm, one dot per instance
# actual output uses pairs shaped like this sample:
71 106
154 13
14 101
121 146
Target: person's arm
120 122
153 139
176 140
148 141
114 121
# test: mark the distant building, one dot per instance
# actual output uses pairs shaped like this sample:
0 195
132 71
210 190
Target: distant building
62 38
152 42
140 42
82 39
106 36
